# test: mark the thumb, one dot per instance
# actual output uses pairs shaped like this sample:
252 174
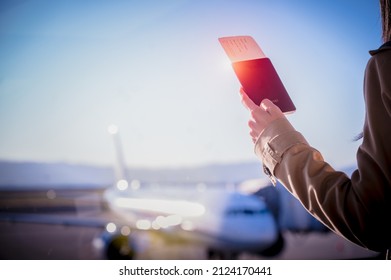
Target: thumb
270 107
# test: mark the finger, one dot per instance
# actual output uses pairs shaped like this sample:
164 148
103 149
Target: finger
254 134
252 124
246 101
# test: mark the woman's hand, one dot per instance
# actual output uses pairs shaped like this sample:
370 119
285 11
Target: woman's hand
260 116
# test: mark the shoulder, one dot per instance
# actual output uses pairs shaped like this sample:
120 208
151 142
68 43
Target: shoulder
378 69
381 57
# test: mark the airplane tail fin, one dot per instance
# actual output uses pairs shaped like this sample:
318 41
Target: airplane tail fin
121 176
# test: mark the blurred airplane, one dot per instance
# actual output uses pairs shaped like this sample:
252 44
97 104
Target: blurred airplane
225 222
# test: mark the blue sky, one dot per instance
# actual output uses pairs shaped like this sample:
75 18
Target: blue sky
155 68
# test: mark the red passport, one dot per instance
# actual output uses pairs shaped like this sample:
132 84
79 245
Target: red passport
256 72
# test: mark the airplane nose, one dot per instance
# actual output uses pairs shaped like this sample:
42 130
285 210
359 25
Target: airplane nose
255 230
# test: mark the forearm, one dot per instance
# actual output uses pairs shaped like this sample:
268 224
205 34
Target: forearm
330 195
324 192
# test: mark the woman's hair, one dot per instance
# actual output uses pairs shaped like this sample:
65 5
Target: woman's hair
385 9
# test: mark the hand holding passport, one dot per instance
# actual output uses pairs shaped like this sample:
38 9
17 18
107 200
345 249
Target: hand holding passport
255 72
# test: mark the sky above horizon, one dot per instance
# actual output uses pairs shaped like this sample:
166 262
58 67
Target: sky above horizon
69 69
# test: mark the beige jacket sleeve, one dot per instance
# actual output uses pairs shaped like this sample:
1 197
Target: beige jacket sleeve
358 208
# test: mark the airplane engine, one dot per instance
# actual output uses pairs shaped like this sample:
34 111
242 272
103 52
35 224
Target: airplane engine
275 248
115 246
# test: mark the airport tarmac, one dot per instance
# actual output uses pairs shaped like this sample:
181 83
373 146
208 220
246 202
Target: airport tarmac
60 242
40 241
